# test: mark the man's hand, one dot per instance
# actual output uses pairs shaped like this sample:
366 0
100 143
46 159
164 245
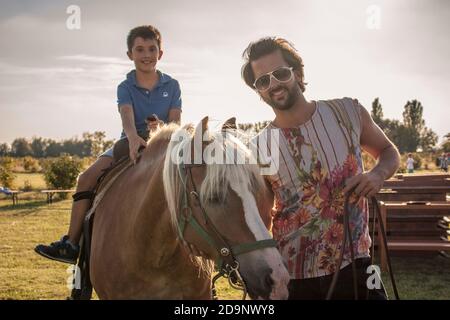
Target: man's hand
135 142
366 184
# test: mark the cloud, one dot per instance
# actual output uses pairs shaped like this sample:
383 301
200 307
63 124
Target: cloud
10 69
95 59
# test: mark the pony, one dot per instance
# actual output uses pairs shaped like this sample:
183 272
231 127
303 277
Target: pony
163 222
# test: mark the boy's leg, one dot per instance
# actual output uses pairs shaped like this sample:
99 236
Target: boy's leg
67 249
86 182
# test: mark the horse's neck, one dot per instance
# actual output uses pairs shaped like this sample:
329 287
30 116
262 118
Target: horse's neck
152 228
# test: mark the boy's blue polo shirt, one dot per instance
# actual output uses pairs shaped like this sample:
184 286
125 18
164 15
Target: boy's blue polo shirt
164 96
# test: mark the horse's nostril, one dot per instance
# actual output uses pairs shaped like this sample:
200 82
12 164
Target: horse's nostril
268 281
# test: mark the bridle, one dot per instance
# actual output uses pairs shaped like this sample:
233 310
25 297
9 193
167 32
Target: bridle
226 264
347 233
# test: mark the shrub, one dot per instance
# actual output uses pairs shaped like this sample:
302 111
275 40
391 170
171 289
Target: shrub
401 169
31 165
62 172
417 161
27 186
6 172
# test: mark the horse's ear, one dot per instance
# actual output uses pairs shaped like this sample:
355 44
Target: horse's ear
198 144
201 127
229 124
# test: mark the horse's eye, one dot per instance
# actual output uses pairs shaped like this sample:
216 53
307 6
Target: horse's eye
215 199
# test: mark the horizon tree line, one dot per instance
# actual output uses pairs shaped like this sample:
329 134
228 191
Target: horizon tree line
409 135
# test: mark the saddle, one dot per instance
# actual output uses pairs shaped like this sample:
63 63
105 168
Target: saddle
121 162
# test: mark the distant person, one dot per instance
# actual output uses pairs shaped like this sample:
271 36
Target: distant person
145 92
410 163
444 162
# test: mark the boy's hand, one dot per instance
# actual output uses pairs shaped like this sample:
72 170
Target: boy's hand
135 142
153 123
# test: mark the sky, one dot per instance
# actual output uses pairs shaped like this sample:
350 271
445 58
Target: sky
58 82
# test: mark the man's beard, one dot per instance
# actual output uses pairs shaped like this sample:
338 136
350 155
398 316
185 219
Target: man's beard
292 96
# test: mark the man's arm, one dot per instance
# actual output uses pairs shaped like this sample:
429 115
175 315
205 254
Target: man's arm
135 142
374 141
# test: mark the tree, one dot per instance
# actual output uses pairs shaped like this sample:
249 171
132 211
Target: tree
39 146
416 134
428 139
377 113
96 143
54 148
4 149
414 123
413 115
21 148
75 147
446 143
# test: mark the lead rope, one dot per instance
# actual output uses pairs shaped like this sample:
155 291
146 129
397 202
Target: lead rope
237 284
384 237
347 232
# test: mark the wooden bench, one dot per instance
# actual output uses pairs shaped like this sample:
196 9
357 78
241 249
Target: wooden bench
432 179
418 245
13 193
437 208
14 196
51 193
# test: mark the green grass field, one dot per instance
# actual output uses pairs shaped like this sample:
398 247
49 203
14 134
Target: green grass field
25 275
35 179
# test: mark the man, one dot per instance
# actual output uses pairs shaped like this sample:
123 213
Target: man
320 145
146 93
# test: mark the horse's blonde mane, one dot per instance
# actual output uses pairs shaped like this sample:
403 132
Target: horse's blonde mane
218 176
165 132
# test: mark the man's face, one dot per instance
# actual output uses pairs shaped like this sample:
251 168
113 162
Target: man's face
145 53
281 96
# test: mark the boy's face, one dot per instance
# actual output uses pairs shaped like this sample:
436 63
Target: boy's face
145 53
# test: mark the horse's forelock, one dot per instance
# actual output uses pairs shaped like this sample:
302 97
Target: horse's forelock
216 182
218 176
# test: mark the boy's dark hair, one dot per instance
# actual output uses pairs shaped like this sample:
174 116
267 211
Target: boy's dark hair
267 45
145 32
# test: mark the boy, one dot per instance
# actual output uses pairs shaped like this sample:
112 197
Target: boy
145 92
410 163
